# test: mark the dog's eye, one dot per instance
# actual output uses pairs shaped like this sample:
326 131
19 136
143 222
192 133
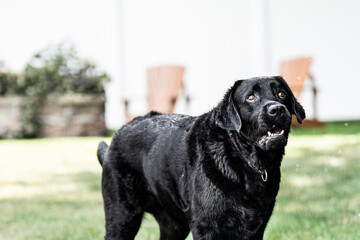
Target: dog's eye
251 98
282 95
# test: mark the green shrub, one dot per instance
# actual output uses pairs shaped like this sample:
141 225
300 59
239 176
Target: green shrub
55 70
9 83
59 70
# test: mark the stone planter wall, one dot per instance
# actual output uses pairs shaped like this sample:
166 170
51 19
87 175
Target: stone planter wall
10 113
68 115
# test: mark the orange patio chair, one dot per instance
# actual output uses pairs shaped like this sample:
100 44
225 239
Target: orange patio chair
164 84
295 72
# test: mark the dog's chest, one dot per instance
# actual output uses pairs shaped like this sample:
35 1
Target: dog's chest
244 209
234 215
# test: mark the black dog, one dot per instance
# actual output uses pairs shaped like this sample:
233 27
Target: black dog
217 174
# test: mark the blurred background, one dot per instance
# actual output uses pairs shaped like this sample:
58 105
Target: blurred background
80 68
217 42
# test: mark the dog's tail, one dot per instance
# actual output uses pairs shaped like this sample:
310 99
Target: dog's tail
101 152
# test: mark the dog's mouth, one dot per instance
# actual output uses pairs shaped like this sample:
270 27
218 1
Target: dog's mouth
274 138
275 133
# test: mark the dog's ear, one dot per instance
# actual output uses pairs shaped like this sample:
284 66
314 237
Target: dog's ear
296 107
227 115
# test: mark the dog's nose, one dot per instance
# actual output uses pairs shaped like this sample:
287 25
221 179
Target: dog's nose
276 110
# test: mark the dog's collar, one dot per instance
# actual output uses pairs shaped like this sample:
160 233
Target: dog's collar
263 173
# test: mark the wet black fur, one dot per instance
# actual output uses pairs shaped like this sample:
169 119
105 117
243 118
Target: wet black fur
187 172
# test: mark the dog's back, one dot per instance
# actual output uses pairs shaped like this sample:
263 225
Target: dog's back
143 143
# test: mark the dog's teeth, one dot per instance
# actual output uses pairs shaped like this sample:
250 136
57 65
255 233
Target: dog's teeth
282 132
269 133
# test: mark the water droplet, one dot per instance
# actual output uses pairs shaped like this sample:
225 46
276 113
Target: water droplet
346 124
339 151
359 215
297 165
325 170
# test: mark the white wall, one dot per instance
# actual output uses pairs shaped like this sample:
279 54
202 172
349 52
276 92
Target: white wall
221 41
29 26
328 31
210 38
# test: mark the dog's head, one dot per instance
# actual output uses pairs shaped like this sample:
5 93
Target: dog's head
260 109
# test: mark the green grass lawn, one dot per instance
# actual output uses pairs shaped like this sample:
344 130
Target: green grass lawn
50 188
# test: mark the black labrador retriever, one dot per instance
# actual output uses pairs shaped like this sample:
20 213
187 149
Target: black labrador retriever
217 174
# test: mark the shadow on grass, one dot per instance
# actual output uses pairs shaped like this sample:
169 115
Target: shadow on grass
89 180
37 218
72 209
319 196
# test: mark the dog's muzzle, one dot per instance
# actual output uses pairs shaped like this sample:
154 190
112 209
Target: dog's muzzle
275 127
